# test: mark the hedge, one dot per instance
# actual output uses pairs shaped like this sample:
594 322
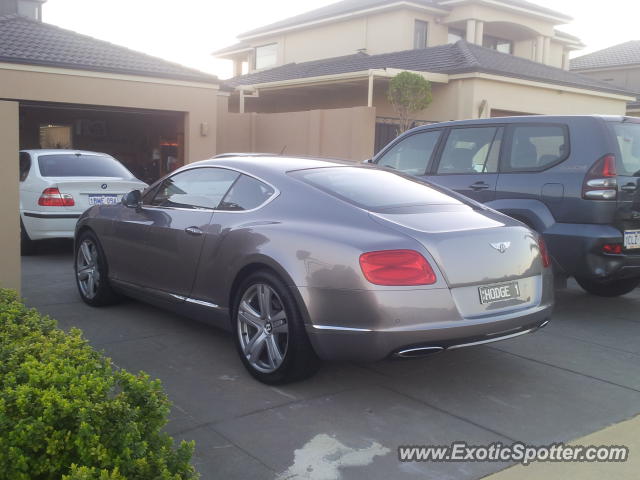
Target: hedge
67 413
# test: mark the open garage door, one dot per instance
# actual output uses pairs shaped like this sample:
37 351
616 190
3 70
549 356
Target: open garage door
150 143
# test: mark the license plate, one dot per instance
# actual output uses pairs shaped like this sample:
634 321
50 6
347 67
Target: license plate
103 199
499 293
632 239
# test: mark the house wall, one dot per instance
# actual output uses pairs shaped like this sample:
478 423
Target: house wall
543 101
9 213
370 33
346 133
627 78
459 99
198 101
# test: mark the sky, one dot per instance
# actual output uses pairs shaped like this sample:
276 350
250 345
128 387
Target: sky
187 31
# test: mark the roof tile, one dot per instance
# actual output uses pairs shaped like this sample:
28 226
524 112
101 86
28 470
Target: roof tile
461 57
30 42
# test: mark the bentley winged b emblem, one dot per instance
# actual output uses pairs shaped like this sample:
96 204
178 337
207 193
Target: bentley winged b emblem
502 246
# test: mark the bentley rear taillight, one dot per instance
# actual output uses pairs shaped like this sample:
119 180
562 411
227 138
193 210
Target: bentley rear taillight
397 268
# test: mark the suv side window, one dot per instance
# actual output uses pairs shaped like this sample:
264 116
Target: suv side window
246 193
471 151
413 154
197 188
536 147
25 165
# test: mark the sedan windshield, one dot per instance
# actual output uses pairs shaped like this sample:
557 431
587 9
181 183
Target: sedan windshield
80 165
373 189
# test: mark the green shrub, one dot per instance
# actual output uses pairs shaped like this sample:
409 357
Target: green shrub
65 412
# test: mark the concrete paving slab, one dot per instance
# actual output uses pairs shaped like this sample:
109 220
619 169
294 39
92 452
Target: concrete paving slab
518 398
357 419
624 433
614 366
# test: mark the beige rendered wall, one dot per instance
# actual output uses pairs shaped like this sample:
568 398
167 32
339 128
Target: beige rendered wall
384 32
628 78
199 102
537 100
346 133
9 213
489 14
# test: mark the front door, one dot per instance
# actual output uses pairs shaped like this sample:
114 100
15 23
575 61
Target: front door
469 162
179 213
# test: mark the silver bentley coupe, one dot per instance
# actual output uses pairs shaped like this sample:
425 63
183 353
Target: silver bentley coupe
309 259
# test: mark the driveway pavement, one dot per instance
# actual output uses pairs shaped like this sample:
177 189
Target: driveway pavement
577 376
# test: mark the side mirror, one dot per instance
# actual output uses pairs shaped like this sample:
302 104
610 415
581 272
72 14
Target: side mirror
132 199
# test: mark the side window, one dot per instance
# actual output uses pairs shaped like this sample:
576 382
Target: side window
246 193
197 188
25 165
412 155
471 151
536 147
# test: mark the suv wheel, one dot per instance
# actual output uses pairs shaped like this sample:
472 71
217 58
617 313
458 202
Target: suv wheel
610 289
91 272
269 331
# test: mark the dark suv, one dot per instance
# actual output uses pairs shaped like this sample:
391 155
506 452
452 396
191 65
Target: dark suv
572 178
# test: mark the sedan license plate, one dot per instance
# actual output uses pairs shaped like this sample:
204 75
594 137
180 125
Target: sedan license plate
499 293
631 239
103 199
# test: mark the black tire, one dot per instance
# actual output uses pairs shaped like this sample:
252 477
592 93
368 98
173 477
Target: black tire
299 360
27 246
609 289
101 294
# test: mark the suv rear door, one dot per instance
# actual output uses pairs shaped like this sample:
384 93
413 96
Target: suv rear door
530 150
627 139
468 161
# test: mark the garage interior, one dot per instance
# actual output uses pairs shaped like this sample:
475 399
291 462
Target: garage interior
150 143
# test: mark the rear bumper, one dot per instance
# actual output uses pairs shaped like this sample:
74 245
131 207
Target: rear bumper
40 226
577 250
373 325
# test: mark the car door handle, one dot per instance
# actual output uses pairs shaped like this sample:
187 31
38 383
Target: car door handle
479 186
193 231
629 187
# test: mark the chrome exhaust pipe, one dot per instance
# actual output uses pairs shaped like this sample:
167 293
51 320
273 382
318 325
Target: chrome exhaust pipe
418 352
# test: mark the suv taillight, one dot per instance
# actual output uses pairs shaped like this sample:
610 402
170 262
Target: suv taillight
601 182
51 197
397 268
544 253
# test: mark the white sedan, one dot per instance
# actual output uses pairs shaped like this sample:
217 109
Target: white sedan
56 186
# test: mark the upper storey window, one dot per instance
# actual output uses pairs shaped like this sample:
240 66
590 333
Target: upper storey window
499 44
420 31
266 56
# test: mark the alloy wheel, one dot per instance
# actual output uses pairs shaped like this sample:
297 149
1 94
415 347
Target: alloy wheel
87 269
263 328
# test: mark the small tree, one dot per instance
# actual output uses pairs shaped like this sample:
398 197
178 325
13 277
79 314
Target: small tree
409 93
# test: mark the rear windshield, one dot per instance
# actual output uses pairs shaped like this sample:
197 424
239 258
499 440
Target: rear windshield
78 165
373 189
628 136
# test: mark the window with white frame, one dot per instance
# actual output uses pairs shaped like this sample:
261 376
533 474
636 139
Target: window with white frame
420 32
266 56
499 44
